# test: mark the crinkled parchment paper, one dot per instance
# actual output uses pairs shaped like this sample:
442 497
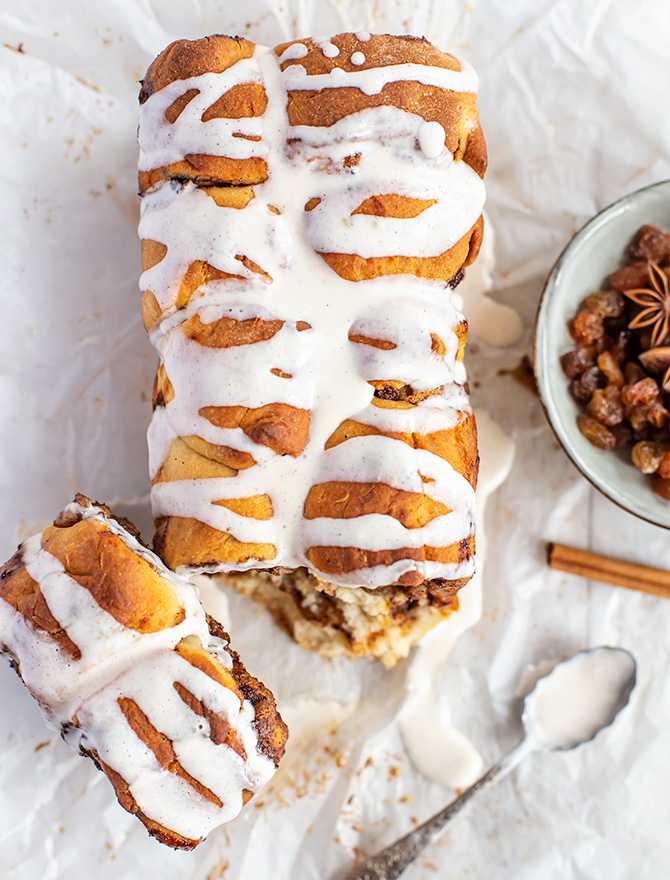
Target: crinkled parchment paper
573 99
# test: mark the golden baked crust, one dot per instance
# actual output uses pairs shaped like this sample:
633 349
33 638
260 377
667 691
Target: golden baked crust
280 427
444 267
184 541
186 58
122 583
207 171
341 560
457 445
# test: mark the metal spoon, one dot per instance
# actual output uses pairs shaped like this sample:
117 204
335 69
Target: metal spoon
544 729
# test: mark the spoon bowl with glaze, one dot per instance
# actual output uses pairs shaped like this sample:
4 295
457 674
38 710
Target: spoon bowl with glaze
567 707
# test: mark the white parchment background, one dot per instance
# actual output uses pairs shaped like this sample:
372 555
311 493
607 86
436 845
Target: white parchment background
574 101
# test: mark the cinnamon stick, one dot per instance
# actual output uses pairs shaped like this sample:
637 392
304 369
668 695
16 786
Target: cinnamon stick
618 572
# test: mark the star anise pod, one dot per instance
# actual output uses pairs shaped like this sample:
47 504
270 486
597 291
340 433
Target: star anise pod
655 302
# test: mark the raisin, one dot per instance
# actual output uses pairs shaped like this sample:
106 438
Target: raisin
638 418
633 372
643 433
609 365
623 434
658 435
657 414
602 344
583 386
605 303
586 328
605 406
388 392
644 391
620 343
576 361
630 277
647 456
651 243
596 433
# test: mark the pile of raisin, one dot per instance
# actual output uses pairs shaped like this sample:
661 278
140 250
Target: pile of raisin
625 404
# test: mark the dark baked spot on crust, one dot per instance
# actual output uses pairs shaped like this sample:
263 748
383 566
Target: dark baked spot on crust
400 393
12 565
456 280
388 392
271 730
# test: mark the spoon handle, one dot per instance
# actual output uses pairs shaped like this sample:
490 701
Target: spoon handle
391 861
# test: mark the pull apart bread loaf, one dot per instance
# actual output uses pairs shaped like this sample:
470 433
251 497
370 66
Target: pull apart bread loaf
123 661
305 212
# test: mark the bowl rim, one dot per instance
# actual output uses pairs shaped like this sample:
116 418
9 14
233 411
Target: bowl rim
596 222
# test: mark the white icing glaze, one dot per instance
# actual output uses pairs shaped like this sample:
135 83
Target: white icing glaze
294 51
332 227
329 374
375 459
431 139
237 376
397 130
362 36
195 498
206 232
429 416
117 661
357 58
330 50
373 79
172 800
162 142
409 328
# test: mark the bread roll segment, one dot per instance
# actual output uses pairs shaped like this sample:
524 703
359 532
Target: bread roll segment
198 99
311 418
125 664
437 88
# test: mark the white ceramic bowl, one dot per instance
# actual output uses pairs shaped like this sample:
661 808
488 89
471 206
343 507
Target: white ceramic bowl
590 257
